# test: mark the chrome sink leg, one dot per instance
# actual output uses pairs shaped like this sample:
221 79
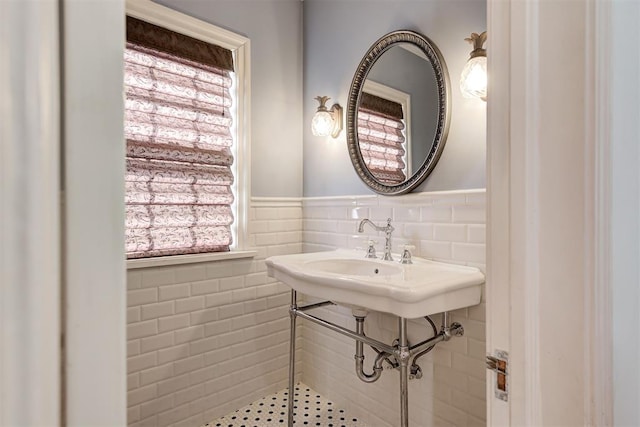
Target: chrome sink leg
292 358
403 355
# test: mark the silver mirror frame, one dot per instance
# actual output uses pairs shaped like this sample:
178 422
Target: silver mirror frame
444 110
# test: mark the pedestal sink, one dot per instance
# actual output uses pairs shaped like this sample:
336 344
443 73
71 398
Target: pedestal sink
406 290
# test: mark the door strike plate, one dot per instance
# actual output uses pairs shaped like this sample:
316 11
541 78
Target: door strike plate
499 363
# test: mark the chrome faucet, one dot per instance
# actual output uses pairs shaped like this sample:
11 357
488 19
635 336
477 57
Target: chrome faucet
388 229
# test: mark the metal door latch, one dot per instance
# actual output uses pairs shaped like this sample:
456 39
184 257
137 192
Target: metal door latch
499 363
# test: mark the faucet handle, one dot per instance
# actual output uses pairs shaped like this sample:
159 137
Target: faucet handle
406 254
371 250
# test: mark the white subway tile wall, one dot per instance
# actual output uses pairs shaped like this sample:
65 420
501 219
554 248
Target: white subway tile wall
447 226
206 339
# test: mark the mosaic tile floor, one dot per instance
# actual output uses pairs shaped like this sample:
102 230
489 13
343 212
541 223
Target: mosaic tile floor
311 409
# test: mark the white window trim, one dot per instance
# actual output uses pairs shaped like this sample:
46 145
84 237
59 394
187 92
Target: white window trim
168 18
163 261
387 92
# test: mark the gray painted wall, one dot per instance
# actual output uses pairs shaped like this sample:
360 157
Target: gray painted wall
625 211
275 30
337 33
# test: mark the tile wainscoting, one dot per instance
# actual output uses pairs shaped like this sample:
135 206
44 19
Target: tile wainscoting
444 226
206 339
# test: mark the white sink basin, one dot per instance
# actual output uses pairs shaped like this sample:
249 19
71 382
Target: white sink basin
355 267
406 290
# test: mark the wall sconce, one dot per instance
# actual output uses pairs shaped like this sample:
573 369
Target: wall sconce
473 81
327 122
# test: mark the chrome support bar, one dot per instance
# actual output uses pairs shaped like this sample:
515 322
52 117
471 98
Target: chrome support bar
344 331
316 305
292 357
427 343
402 355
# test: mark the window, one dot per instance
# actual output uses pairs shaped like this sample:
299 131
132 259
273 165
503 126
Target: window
381 135
181 140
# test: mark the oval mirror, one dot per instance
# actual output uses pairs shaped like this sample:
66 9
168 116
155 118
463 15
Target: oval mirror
398 112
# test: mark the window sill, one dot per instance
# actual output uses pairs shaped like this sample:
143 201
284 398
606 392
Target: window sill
133 264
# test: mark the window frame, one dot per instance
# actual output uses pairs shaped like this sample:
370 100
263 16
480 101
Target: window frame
240 46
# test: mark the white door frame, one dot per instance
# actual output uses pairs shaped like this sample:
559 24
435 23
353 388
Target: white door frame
548 294
94 260
29 214
62 266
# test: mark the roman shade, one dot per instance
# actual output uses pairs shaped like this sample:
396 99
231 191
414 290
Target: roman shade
178 144
381 138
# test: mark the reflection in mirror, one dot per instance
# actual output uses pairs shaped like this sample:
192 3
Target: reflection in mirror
406 69
381 132
399 105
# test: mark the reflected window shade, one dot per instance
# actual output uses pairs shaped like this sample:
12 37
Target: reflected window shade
382 144
178 155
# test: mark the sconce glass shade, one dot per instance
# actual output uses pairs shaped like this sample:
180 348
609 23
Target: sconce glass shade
326 122
322 123
473 81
